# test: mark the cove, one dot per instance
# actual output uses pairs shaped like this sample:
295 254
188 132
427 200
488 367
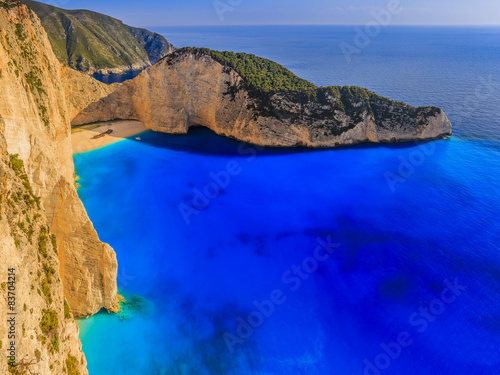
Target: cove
397 250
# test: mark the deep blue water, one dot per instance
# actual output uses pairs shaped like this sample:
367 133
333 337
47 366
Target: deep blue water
413 229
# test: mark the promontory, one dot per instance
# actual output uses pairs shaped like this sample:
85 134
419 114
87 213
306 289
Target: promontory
255 100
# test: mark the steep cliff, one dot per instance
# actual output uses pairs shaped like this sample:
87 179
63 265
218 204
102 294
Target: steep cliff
95 43
42 336
257 101
45 233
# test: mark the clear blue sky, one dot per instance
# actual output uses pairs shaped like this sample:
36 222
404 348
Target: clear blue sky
275 12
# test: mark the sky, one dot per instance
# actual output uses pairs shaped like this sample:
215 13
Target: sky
291 12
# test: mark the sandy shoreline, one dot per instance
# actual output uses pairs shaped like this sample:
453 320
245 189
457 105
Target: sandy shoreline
81 135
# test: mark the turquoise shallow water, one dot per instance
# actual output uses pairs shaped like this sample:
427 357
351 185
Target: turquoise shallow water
410 284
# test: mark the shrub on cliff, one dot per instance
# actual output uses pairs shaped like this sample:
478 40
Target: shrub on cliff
42 245
16 164
49 322
67 311
71 365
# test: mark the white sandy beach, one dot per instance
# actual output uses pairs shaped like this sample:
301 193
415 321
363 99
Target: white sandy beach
81 137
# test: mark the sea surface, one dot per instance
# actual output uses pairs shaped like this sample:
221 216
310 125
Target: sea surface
359 260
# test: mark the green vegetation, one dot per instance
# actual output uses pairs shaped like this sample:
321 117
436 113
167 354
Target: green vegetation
53 240
45 283
17 229
49 271
36 86
260 74
42 339
89 41
22 227
9 4
19 32
28 69
32 74
16 164
34 82
49 322
55 344
71 365
262 78
45 288
67 312
42 244
29 198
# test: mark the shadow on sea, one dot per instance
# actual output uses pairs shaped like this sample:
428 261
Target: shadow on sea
203 141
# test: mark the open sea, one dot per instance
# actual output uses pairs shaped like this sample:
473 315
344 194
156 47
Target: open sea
366 260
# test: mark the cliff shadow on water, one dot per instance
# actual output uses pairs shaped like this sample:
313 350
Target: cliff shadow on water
203 141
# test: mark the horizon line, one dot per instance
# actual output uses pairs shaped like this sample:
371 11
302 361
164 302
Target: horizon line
332 24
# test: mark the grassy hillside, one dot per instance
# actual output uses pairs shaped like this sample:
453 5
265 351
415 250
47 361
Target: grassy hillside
93 42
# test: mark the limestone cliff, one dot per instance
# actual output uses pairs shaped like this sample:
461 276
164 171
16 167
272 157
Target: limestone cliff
190 87
81 90
42 337
45 233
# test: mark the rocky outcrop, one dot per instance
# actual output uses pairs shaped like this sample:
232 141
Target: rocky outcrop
188 89
45 233
98 44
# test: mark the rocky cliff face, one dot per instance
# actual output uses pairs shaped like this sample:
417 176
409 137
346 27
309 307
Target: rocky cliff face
188 89
98 44
42 336
45 233
81 90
